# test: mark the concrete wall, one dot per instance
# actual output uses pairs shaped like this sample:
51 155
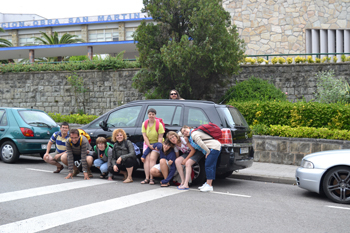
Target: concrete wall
290 151
51 92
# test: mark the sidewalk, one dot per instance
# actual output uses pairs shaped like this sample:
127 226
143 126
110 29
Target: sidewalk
267 172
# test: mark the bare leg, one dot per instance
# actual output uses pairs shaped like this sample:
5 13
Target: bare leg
52 161
129 170
180 169
210 182
64 159
153 159
155 172
164 168
146 166
188 165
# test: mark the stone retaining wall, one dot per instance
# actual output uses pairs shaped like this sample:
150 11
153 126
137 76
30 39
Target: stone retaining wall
50 91
290 151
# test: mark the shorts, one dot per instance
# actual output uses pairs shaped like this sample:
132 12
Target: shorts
53 154
77 157
196 157
158 166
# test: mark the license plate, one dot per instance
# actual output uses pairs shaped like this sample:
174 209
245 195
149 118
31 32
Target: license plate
44 146
244 151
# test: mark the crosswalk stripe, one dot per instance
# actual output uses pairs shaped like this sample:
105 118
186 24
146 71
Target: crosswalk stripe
11 196
38 170
47 221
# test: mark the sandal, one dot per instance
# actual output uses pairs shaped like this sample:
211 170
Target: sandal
145 181
151 181
59 169
103 176
127 180
165 185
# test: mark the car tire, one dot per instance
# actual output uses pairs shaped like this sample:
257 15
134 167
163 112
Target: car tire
336 184
199 173
224 175
9 152
42 154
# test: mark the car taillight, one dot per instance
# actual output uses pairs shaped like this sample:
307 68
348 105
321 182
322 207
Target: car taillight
226 137
27 132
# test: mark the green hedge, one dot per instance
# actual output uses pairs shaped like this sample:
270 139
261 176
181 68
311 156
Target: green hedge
301 132
300 114
73 118
108 64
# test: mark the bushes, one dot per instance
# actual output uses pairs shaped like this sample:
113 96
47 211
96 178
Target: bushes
301 132
300 114
114 63
73 118
254 89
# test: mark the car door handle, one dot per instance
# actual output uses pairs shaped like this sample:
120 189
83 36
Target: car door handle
2 129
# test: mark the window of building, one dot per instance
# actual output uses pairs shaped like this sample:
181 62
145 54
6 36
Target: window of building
129 32
9 38
28 39
76 33
103 35
328 41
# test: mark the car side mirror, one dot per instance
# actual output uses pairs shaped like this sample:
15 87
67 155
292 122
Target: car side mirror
103 125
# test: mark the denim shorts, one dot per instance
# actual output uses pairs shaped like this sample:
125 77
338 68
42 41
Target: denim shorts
196 157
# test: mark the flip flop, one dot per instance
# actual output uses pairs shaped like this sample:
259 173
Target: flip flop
182 188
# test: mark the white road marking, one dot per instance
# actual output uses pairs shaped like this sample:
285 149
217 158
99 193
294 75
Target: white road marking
38 170
222 193
11 196
338 207
47 221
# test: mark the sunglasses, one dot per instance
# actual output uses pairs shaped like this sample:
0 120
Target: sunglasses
173 93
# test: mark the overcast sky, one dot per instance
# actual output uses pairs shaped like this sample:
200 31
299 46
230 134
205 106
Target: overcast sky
71 8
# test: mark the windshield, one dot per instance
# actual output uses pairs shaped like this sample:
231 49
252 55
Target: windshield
37 118
233 117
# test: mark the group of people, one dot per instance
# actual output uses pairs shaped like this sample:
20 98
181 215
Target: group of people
177 152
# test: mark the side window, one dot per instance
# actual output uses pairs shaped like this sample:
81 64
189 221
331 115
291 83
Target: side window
96 124
196 117
125 117
3 118
171 115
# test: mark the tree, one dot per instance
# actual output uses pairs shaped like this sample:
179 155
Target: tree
4 42
191 48
54 39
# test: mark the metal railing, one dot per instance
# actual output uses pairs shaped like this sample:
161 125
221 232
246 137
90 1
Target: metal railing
296 54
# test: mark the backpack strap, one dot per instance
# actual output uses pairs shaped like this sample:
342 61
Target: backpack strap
146 123
157 124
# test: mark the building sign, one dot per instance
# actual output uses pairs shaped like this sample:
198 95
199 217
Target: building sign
75 20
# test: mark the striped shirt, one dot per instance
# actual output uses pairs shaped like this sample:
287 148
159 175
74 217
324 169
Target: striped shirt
60 141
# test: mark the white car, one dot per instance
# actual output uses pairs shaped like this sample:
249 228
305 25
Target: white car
326 172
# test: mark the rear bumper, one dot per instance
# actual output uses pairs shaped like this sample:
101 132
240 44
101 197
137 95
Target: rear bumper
230 159
29 146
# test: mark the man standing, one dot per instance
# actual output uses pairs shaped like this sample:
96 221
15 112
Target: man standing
77 150
59 138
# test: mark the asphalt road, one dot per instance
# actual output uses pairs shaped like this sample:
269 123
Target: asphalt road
33 199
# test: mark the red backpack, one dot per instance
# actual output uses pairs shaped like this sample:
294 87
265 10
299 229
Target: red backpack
158 120
211 129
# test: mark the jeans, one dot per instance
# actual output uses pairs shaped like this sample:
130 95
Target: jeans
102 165
210 163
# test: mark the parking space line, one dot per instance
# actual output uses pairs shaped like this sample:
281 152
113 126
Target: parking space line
47 221
338 207
38 170
222 193
33 192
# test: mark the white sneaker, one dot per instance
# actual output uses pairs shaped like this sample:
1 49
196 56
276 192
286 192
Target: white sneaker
202 186
207 188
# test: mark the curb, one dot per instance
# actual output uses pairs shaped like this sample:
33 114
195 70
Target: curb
271 179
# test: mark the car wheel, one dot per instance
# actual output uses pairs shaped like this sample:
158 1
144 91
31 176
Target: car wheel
336 184
199 173
42 154
9 152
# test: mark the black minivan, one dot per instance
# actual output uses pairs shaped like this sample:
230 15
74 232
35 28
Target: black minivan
237 151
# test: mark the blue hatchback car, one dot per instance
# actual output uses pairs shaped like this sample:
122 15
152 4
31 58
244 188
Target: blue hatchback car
24 131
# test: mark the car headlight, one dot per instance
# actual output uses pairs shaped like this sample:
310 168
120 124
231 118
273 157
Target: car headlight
307 164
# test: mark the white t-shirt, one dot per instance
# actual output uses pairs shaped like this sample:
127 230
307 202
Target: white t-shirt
184 149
